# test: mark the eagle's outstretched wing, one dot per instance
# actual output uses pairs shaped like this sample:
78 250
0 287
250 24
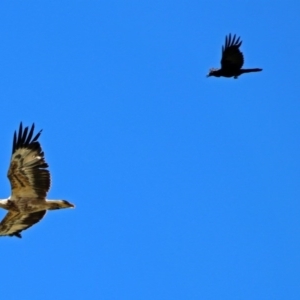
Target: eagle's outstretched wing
15 222
27 173
232 57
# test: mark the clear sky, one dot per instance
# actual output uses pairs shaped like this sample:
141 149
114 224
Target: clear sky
185 187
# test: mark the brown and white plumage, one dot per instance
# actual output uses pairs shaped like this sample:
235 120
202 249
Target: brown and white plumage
30 182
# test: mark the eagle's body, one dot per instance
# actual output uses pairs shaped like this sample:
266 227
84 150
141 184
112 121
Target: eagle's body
30 182
232 60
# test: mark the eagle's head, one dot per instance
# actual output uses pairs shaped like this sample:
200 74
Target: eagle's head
66 204
59 204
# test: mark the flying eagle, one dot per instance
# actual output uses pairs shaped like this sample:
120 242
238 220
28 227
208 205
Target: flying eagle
30 182
232 60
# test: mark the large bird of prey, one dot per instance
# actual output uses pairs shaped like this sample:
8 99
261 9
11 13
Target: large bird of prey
30 182
232 60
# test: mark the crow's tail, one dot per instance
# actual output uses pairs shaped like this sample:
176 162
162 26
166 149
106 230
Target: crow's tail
251 70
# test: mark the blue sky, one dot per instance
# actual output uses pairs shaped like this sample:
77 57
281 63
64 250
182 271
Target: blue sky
185 187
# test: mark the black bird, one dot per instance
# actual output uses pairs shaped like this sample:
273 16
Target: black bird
232 60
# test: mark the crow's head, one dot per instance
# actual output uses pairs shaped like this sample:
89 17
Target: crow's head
213 72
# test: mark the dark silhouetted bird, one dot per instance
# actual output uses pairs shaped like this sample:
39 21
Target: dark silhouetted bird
232 60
